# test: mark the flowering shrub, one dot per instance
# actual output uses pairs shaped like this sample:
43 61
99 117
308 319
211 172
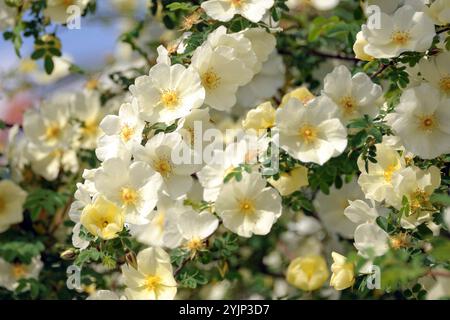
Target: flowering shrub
255 149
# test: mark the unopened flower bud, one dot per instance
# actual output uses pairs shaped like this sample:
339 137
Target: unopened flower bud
69 254
131 260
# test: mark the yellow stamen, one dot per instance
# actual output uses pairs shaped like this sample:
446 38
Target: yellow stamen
210 80
246 206
427 123
237 3
419 200
308 134
389 172
195 244
163 166
129 196
19 271
126 133
444 84
169 99
90 128
400 240
152 283
348 105
401 37
52 132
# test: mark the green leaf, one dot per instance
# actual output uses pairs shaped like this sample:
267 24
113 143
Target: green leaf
48 64
38 54
382 223
44 199
191 279
88 255
20 250
441 199
182 6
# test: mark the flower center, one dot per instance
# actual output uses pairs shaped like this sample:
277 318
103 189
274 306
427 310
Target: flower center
401 37
194 244
444 84
90 128
52 132
210 80
129 196
19 271
126 133
347 104
308 134
237 3
170 99
389 172
427 123
163 166
68 3
246 206
419 200
152 283
400 240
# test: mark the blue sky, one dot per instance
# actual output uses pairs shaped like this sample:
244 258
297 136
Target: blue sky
88 46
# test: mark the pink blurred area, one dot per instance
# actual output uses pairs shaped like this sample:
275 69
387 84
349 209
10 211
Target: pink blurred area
12 109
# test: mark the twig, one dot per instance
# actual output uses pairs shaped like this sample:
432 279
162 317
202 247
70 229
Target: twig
443 30
382 68
183 264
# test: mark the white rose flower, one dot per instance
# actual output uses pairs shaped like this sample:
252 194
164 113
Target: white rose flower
195 227
264 84
436 70
160 152
49 127
417 186
87 109
121 132
225 10
422 121
152 277
12 198
168 93
133 187
439 11
376 182
370 240
405 30
57 10
7 15
312 132
162 230
355 96
11 273
248 207
331 208
221 75
235 45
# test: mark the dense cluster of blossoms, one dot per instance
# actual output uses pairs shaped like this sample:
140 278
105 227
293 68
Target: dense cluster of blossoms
219 143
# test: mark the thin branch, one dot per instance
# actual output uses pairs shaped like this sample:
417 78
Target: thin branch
443 30
382 68
183 264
